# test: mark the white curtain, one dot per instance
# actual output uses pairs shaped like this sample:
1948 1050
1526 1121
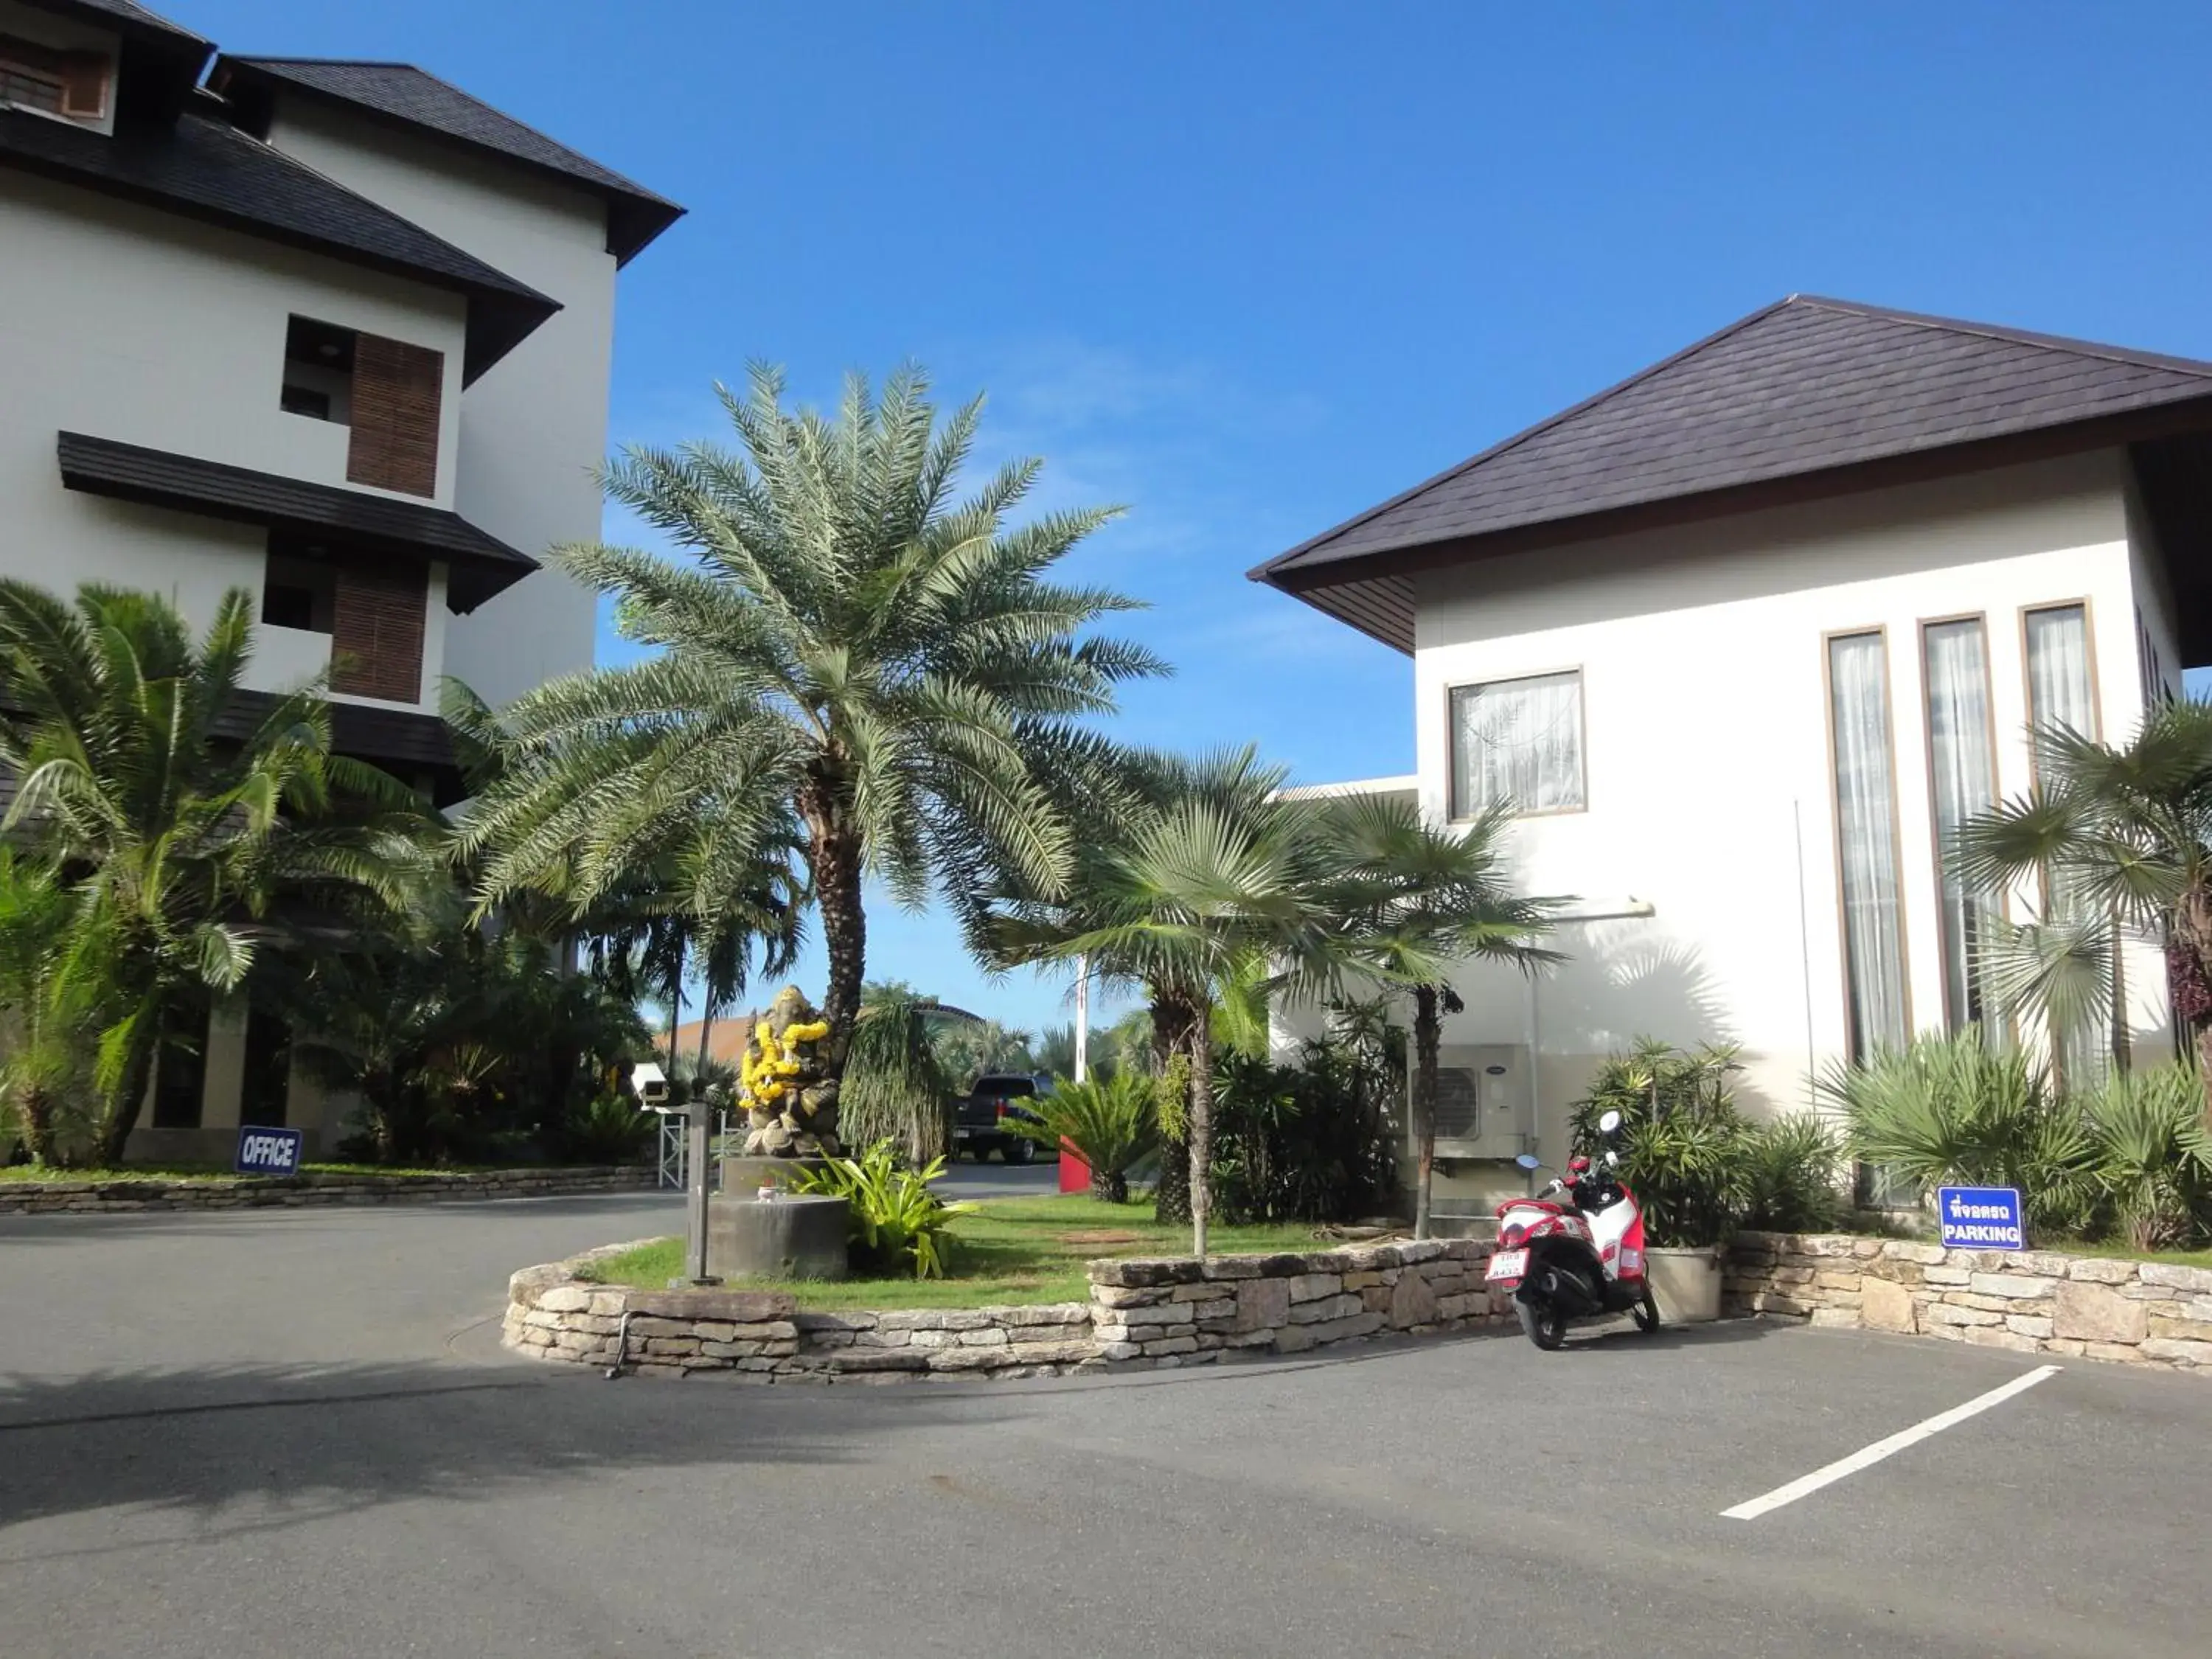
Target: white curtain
2060 693
1964 767
1866 843
1518 741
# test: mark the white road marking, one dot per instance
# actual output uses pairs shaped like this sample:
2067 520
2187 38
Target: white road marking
1868 1457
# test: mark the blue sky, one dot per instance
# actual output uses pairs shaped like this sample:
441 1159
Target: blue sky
1249 268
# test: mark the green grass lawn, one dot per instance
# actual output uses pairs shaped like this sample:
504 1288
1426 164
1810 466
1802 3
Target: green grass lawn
1010 1250
2118 1250
25 1172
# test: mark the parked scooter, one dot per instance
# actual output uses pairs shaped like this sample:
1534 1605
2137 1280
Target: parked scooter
1582 1259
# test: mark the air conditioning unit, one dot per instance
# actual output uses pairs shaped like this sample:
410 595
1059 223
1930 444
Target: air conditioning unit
1482 1099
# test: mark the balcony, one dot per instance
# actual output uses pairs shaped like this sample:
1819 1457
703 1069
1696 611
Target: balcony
286 658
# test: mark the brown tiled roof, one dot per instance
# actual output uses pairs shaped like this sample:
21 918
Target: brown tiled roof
408 96
1804 387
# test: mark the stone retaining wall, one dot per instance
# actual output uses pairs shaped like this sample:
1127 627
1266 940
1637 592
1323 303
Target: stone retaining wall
2139 1313
94 1194
1142 1313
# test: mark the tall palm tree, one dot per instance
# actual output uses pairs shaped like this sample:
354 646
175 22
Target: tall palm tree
1417 898
185 837
2120 835
842 644
1207 870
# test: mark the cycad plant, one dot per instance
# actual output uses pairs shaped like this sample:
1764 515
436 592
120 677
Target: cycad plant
186 836
2153 1154
1948 1111
1113 1124
841 646
1415 900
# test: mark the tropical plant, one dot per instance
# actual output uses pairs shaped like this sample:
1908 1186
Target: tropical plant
1113 1124
895 1085
607 1129
1305 1142
45 1015
1416 899
843 650
896 1223
187 832
1208 868
1681 1140
2153 1155
969 1047
1791 1171
2122 835
1949 1111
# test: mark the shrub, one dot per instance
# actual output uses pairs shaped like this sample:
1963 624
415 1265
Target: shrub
1683 1144
1111 1124
1790 1168
605 1129
1948 1112
2153 1154
1311 1142
896 1221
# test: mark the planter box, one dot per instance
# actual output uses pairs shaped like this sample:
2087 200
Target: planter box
1687 1284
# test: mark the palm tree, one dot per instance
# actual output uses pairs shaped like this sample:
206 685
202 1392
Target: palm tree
1417 899
1209 869
842 644
895 1079
184 836
45 1012
2118 837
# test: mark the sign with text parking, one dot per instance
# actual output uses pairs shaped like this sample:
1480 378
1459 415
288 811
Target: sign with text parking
1981 1217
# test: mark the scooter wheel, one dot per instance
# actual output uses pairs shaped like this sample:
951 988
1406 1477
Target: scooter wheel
1543 1324
1647 1313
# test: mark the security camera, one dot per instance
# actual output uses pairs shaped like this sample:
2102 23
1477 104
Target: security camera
650 1084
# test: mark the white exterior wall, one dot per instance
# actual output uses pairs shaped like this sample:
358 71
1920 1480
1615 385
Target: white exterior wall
126 323
534 426
1707 774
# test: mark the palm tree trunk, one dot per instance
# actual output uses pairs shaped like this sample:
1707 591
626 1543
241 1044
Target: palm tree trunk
1171 1197
37 1111
1201 1130
675 1003
2193 931
124 1104
834 853
1428 1030
2121 1057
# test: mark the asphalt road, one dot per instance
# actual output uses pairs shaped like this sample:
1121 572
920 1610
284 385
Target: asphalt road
293 1433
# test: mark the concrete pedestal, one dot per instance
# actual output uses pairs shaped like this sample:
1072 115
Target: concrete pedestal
749 1237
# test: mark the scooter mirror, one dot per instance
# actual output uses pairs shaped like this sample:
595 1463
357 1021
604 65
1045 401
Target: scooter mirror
1613 1160
1529 1161
1608 1123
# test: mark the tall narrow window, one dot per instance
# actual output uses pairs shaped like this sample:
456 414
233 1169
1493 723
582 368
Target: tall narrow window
2062 694
1962 763
1866 843
1518 741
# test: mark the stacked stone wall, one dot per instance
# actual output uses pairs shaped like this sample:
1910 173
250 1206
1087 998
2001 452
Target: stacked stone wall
2136 1313
95 1193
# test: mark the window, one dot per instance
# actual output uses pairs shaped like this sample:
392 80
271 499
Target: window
301 590
1866 843
1962 767
2062 696
386 391
180 1069
267 1079
72 84
1519 741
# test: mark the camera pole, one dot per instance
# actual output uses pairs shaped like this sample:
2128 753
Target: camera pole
698 1120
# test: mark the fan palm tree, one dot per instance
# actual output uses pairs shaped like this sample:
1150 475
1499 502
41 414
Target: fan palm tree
844 646
1416 899
185 837
2119 835
1209 869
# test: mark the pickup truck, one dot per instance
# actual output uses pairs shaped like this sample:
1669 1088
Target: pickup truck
979 1120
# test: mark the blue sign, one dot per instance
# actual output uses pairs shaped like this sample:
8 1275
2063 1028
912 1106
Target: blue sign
269 1152
1981 1218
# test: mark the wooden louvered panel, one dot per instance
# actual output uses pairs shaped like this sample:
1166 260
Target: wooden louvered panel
376 633
84 84
396 389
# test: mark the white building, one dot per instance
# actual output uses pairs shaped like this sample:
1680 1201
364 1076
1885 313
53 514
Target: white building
1746 634
335 333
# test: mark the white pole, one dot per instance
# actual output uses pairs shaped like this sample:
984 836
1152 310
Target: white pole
1082 1018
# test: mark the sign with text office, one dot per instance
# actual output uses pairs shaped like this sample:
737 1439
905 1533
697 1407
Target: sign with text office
269 1152
1981 1217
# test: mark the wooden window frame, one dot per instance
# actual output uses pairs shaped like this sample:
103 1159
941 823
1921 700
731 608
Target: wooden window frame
1879 631
1582 739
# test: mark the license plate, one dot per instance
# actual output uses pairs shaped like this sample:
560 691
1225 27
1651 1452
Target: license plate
961 1135
1508 1264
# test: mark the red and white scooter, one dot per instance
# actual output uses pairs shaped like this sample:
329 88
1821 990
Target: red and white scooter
1580 1260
